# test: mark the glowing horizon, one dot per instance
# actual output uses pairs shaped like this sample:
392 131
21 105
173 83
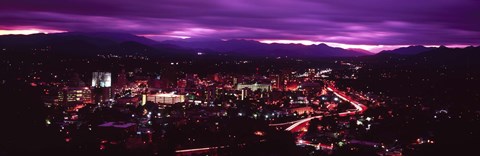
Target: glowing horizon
366 47
28 31
370 48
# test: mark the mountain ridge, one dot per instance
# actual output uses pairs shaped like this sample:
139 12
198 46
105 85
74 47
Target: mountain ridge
240 46
410 50
95 42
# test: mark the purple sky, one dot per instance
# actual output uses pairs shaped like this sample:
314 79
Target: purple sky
368 24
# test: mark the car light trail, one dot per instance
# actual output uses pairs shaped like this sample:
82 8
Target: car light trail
359 108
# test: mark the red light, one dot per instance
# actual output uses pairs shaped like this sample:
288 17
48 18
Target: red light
102 147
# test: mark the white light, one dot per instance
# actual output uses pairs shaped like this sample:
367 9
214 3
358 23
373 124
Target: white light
369 118
359 122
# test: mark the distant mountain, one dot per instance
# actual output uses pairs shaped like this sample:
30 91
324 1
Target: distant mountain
441 56
411 50
42 40
79 43
366 52
113 36
99 39
254 48
92 43
451 56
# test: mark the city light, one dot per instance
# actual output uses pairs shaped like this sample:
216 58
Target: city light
322 78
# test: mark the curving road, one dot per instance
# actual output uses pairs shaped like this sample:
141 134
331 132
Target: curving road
300 124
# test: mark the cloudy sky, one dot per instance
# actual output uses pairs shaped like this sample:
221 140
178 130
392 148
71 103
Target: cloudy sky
367 24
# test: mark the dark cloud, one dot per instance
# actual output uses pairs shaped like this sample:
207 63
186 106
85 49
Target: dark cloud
372 22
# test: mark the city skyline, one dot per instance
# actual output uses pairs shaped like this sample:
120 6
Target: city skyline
370 25
239 77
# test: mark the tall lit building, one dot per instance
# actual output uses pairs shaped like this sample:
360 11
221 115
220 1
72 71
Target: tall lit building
244 94
101 79
101 86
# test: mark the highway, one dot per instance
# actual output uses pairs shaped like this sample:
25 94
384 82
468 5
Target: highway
300 124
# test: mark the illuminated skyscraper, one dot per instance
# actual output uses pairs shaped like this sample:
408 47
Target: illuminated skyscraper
101 79
101 86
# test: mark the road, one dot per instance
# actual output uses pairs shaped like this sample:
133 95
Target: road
298 125
301 125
